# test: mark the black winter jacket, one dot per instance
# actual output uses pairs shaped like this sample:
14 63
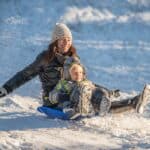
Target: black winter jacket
49 74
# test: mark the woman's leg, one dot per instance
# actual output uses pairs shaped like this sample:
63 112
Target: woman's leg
124 105
108 92
136 103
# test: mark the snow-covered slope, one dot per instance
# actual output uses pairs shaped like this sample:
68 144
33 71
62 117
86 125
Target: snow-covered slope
112 39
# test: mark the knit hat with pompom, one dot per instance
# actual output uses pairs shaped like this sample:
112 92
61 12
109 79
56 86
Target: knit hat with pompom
60 31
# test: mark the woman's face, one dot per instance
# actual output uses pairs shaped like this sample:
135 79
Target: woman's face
64 44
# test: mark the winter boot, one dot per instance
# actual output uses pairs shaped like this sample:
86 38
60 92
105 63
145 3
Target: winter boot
145 95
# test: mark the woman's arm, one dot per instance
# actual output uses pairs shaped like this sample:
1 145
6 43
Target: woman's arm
25 75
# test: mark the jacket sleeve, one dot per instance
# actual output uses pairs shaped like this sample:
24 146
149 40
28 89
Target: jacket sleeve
54 94
60 93
25 75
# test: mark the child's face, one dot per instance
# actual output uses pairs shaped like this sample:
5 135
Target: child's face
77 74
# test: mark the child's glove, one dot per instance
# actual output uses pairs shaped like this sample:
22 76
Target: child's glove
53 97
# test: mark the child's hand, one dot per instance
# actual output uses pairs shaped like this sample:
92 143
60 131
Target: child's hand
53 97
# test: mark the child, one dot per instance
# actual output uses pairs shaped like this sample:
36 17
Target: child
85 98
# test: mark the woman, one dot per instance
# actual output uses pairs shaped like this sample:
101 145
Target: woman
48 65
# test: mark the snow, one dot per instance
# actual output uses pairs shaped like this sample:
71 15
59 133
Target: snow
143 17
139 2
22 127
89 14
15 20
115 35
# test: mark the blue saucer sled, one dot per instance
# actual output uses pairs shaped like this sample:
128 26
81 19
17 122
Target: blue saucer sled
53 113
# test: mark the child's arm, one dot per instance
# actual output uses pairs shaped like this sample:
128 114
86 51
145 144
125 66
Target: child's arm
60 93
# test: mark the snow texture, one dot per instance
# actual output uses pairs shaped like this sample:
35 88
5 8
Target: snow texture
113 41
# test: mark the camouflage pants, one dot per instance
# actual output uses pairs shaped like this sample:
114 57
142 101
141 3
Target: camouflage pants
100 101
87 100
81 100
95 101
102 104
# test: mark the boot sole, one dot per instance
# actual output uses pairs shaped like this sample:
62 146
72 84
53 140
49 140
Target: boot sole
142 101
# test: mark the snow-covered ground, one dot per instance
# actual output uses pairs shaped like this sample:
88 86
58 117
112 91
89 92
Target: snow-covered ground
113 41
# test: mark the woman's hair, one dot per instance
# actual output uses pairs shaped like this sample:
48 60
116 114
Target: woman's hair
52 50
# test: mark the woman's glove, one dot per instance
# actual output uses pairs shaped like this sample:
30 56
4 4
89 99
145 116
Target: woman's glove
3 92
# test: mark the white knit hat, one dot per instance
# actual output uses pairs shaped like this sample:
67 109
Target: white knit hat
60 31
